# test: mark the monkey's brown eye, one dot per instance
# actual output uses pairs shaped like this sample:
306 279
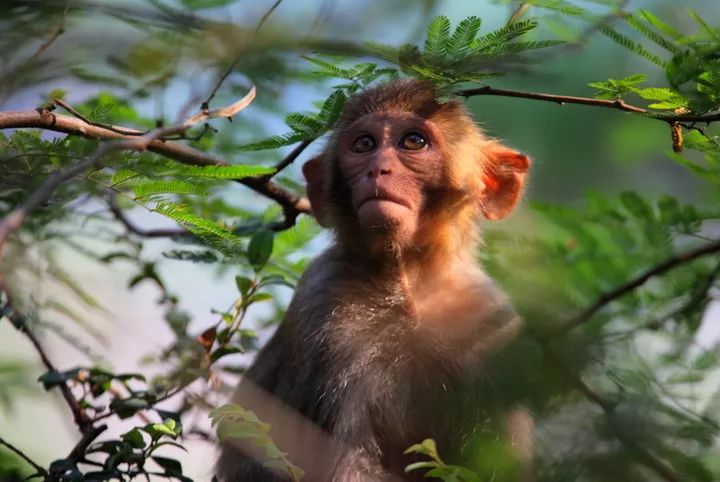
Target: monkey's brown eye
364 143
413 141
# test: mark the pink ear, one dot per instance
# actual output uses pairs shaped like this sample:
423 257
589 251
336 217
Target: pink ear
314 172
504 181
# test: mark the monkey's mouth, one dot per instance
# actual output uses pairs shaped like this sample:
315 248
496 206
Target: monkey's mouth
383 197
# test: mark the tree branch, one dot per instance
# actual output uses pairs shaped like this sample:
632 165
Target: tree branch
611 104
290 158
146 233
40 470
638 281
21 323
292 204
223 77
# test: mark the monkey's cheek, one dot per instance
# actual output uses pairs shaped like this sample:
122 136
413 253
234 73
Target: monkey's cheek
383 214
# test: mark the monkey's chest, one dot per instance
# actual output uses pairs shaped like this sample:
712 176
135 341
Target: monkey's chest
389 379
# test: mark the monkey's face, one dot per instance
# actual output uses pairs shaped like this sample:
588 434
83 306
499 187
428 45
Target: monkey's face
390 162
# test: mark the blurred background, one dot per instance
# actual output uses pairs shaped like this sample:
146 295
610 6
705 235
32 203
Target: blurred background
161 59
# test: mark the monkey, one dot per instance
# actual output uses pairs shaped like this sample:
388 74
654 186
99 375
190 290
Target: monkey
395 321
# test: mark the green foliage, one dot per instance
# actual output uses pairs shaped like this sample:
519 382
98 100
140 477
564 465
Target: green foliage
451 57
234 422
637 351
692 72
437 468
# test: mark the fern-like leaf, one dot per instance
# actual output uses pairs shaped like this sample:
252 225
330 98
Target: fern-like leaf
274 142
328 69
193 222
651 34
305 124
332 107
650 18
239 171
464 35
122 175
630 45
153 188
438 35
503 35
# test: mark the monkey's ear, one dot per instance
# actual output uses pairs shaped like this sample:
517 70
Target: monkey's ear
314 172
503 180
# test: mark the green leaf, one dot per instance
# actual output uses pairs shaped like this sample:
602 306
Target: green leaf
243 284
332 108
652 35
464 35
438 34
122 175
260 248
200 4
239 171
307 125
152 188
503 35
421 465
329 69
169 465
274 142
134 438
630 45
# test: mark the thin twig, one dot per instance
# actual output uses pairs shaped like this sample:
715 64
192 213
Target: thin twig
119 130
146 233
57 31
23 456
226 74
518 12
290 158
622 290
567 99
20 321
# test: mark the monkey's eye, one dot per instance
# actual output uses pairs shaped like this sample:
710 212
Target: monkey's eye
364 143
413 141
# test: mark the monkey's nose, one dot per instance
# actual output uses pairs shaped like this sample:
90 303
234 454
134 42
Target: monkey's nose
376 172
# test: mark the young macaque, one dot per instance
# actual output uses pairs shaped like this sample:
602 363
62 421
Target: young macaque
390 329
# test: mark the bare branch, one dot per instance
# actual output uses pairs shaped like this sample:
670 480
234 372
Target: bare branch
290 158
638 281
119 130
57 31
224 76
22 455
611 104
21 323
146 233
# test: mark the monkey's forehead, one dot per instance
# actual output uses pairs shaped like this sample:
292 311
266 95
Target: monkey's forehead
388 116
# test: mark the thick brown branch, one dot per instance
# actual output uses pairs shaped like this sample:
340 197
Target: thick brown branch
638 281
44 119
611 104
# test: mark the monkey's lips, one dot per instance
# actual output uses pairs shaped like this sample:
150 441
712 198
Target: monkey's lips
382 210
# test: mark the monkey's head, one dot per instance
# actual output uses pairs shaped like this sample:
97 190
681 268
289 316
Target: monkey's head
403 170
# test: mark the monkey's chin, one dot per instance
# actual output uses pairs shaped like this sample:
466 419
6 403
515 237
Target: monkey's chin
387 218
